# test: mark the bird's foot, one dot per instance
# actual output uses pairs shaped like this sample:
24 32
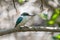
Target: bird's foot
26 26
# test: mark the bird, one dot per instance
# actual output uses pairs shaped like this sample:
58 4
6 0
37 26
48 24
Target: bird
23 19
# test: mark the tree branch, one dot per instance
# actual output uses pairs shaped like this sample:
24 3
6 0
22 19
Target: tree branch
25 29
45 2
15 7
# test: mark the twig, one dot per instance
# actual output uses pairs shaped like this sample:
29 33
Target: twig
15 7
42 5
46 4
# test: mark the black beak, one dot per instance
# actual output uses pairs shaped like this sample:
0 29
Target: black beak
31 15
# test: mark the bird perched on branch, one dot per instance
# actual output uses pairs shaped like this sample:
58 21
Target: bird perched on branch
23 19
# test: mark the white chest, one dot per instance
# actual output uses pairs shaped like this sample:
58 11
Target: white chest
25 20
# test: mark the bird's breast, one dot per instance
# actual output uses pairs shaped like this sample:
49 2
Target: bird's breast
25 19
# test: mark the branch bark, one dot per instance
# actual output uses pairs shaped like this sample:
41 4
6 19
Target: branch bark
25 29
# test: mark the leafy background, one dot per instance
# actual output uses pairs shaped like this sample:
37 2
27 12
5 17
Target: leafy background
8 17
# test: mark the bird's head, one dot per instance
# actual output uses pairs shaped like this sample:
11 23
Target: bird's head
26 14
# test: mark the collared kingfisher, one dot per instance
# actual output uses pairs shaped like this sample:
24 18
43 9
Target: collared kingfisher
23 19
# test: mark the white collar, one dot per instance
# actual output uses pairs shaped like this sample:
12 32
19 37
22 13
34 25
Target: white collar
21 16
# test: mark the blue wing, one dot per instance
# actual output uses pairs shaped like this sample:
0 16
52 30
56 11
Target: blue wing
18 21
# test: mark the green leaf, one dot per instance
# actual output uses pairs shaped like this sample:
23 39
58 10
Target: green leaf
43 16
21 1
51 22
54 16
58 36
57 11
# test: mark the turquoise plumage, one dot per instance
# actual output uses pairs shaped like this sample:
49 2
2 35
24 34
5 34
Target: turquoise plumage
19 20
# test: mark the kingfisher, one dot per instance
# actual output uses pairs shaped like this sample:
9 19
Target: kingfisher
23 19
